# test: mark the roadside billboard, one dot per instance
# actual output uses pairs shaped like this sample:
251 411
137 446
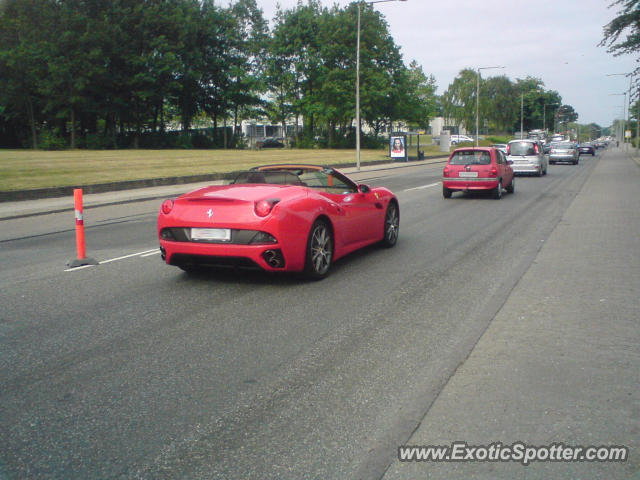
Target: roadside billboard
398 147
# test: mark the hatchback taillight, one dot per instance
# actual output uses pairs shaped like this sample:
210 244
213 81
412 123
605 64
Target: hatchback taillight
508 149
493 172
445 172
536 149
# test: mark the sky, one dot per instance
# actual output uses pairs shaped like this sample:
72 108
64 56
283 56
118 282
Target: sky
553 40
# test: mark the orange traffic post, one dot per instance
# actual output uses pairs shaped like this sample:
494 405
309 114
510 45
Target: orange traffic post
80 241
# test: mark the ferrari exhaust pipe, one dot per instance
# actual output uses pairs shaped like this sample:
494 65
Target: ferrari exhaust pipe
274 258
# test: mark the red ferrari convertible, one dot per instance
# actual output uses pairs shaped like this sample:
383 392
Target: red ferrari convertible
296 218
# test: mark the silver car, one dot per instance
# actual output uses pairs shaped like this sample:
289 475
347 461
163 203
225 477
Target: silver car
564 152
527 156
500 146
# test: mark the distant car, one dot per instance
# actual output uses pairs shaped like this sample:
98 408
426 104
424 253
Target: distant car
537 135
295 218
456 139
558 138
479 168
270 143
500 146
527 156
563 152
587 148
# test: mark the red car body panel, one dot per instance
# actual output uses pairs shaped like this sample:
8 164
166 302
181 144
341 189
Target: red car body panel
486 176
356 219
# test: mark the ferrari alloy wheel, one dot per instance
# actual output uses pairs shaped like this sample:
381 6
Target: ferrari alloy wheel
391 225
319 251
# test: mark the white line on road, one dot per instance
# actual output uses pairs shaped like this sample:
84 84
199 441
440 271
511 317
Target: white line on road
127 256
146 253
422 187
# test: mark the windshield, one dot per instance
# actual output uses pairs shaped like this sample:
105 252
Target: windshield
322 178
467 157
522 148
562 145
276 177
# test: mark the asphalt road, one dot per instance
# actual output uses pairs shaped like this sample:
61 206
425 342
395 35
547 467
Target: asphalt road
133 369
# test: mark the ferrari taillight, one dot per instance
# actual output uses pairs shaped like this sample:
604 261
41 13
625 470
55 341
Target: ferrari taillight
264 207
167 206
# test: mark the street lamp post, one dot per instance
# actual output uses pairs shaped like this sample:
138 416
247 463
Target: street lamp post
544 113
521 116
628 117
358 79
478 97
624 105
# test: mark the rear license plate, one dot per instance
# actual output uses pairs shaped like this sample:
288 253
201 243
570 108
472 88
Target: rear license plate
220 234
467 174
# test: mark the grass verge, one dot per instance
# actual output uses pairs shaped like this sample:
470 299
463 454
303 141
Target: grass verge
30 169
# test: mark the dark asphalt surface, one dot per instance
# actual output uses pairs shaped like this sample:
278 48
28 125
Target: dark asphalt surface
132 369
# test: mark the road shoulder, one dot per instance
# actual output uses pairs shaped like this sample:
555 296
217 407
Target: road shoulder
560 361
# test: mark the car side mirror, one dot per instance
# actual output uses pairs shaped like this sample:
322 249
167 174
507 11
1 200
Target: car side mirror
364 188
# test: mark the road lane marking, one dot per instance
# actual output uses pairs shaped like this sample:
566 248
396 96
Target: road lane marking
146 253
422 187
126 256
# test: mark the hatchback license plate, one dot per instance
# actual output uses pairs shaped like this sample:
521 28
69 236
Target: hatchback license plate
468 174
220 234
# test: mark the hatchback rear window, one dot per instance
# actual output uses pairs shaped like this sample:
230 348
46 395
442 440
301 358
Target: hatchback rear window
522 148
467 157
562 145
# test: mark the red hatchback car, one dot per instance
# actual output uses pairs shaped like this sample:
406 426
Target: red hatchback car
479 168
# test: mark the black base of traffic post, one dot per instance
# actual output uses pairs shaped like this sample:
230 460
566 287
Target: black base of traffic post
81 262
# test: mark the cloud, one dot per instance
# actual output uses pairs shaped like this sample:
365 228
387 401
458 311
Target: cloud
554 40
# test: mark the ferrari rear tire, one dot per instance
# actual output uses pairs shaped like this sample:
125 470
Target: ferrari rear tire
391 225
319 251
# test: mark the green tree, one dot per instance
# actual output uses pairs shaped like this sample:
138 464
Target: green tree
499 102
247 50
297 40
621 35
23 62
459 100
384 79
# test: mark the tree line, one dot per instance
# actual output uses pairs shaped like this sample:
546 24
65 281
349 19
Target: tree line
504 104
109 73
142 73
